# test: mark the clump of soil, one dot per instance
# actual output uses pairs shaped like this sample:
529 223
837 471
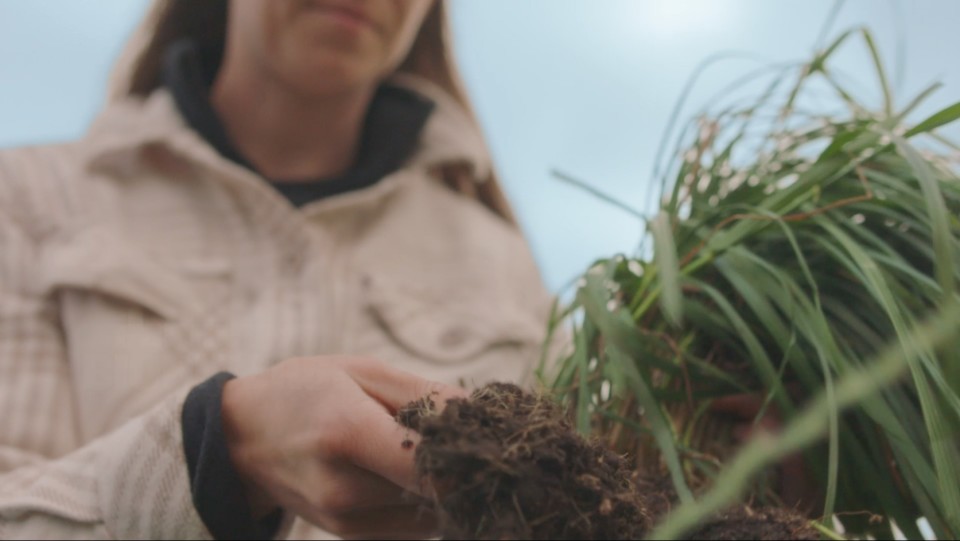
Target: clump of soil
747 523
506 464
738 522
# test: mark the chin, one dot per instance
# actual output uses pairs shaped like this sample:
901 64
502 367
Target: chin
331 76
316 53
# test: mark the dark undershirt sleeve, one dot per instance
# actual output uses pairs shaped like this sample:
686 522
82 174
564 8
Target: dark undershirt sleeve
218 492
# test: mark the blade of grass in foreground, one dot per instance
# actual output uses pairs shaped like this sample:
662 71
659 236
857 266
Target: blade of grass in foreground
809 425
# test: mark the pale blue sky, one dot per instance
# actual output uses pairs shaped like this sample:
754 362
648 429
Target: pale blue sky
582 86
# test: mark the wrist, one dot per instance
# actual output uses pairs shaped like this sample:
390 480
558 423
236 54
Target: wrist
241 446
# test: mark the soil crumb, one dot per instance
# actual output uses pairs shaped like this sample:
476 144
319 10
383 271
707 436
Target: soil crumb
507 464
410 415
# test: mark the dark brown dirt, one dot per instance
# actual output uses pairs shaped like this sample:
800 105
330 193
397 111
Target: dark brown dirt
746 523
410 415
740 522
506 464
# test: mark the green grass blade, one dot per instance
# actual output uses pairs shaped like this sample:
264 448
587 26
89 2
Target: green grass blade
881 71
827 532
665 257
940 118
583 390
605 197
921 97
758 355
942 234
659 423
617 327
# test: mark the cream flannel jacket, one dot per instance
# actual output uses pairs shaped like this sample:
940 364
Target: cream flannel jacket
137 262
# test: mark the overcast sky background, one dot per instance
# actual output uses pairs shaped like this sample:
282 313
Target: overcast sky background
581 86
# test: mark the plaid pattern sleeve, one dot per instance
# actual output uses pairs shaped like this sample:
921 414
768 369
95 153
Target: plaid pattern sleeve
129 483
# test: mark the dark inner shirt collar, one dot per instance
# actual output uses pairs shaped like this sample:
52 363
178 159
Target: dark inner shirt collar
391 130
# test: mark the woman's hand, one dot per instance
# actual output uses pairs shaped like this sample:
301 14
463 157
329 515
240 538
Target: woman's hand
316 436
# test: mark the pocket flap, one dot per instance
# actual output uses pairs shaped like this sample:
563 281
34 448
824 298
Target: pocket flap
102 261
449 328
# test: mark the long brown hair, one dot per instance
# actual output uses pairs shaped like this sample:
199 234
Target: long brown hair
205 21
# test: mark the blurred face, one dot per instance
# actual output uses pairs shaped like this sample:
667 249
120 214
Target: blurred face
323 46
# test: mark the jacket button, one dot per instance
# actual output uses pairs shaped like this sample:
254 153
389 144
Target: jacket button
454 337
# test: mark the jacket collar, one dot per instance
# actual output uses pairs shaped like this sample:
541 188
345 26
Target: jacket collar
128 124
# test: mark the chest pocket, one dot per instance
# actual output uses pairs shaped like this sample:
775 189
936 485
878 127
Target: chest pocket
451 328
132 325
100 261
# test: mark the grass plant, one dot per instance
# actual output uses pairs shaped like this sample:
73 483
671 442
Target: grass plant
797 250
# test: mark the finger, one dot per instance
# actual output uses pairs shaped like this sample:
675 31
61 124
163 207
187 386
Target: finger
395 388
395 522
741 405
746 406
383 447
359 488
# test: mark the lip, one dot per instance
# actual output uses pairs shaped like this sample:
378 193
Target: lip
348 14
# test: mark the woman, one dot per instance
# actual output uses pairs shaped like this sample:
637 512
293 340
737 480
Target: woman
267 195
